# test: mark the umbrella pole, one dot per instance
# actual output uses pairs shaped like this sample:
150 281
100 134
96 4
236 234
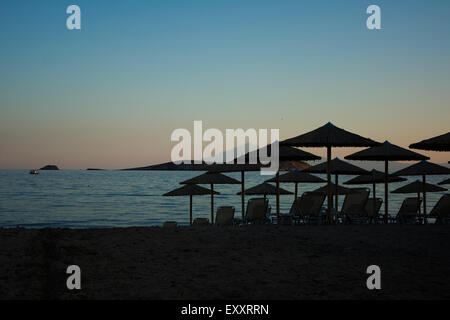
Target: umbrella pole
336 200
190 210
329 199
296 190
386 191
278 194
243 194
374 196
212 203
418 199
424 200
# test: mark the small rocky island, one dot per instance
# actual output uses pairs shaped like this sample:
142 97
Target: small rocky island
49 167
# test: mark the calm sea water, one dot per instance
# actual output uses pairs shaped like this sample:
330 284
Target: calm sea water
88 199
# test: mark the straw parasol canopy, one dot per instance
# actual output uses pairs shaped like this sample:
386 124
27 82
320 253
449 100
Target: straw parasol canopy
386 152
338 167
335 190
374 178
189 190
265 189
297 177
235 167
424 168
329 136
439 143
286 153
419 187
211 179
446 181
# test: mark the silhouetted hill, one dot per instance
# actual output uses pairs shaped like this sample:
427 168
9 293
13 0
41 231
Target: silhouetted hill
49 167
170 166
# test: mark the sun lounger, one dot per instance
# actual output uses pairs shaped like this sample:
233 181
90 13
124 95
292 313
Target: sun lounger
225 216
373 216
441 210
170 224
200 222
257 211
409 211
307 208
288 219
353 208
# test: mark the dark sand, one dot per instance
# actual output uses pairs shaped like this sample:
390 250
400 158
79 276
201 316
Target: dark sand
254 262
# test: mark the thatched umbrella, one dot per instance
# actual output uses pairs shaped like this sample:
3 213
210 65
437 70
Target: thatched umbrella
419 187
335 190
329 136
423 168
265 189
189 190
234 167
286 153
211 179
338 167
386 152
439 143
446 181
297 177
374 178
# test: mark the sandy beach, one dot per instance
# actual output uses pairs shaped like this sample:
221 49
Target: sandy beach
252 262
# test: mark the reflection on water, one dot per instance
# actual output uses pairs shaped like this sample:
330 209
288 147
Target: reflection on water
87 199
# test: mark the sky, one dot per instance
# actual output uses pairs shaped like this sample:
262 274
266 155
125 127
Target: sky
110 95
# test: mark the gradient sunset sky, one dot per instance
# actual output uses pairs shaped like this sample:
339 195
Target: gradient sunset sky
110 95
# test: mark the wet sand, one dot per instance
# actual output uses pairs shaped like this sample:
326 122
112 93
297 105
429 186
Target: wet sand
252 262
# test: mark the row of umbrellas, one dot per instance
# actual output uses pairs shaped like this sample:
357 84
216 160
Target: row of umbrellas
330 136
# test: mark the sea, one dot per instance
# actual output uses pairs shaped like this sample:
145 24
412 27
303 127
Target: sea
107 199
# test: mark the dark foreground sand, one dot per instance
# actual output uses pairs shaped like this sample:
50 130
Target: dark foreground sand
254 262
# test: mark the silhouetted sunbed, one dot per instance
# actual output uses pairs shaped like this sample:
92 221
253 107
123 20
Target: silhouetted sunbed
373 212
409 211
353 208
225 216
441 210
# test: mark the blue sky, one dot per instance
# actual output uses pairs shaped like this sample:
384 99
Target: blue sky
110 94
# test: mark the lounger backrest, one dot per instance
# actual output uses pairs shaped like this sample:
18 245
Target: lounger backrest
225 216
257 209
295 208
410 205
369 208
200 222
311 203
442 208
355 202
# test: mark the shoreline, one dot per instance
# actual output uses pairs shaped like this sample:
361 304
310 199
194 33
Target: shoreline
204 263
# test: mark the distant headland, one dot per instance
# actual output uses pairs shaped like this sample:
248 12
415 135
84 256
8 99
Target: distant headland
170 166
49 167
